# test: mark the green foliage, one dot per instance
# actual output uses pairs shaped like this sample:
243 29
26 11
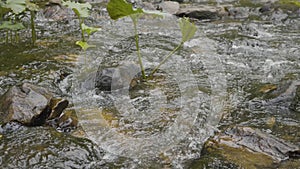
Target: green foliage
17 6
31 6
293 2
88 29
84 45
11 27
120 8
249 3
187 28
80 9
8 25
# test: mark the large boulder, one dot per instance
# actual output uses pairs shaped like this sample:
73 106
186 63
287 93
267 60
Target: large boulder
30 105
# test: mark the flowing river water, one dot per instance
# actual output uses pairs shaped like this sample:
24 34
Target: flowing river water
224 76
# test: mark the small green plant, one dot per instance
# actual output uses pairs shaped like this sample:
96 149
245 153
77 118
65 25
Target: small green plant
8 26
33 8
17 7
82 11
120 8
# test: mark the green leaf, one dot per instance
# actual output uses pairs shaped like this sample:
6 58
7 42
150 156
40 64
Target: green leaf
84 45
80 9
17 6
187 28
31 6
120 8
89 30
11 26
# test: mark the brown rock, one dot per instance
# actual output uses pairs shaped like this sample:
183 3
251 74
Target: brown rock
30 105
256 141
25 104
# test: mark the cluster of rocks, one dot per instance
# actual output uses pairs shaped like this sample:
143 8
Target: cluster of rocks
201 10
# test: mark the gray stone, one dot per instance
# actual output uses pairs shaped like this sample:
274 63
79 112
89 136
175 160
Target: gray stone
24 104
30 105
202 12
114 78
169 7
295 105
44 147
257 141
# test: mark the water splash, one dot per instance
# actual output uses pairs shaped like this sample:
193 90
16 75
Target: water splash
164 121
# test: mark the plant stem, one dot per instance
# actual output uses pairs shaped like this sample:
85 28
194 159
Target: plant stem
134 20
166 58
33 33
16 37
6 38
81 21
11 36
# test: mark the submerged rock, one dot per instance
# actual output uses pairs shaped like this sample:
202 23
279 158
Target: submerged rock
256 141
66 122
40 147
295 105
245 147
104 79
113 78
30 105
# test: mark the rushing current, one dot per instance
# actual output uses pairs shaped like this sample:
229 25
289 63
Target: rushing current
171 114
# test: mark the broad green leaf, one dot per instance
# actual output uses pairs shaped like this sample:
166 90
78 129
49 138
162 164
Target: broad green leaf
81 9
89 30
120 8
17 6
11 26
84 45
31 6
187 28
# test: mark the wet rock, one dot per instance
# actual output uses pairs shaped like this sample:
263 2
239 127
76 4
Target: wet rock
57 106
40 147
169 7
225 157
295 105
24 104
57 12
266 8
282 95
238 12
104 79
57 2
148 6
202 12
256 141
108 79
30 105
68 121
